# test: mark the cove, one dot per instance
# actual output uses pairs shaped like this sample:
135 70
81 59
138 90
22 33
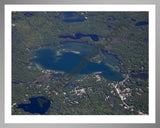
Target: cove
67 59
38 105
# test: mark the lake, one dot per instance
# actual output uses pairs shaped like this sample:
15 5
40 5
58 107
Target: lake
66 57
28 14
141 23
80 35
38 105
71 17
140 75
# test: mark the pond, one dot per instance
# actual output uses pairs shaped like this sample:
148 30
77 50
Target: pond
68 56
80 35
38 105
140 75
28 14
141 23
71 17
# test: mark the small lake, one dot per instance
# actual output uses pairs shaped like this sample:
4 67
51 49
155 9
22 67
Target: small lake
71 17
141 23
80 35
38 105
28 14
68 56
140 75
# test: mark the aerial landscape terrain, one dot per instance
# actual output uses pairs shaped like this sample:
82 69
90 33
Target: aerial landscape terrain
80 63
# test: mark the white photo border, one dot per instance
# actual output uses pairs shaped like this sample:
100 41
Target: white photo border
9 118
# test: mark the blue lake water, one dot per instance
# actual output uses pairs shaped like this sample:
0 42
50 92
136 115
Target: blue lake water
111 18
38 105
133 19
141 75
47 57
109 27
28 14
80 35
141 23
71 17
